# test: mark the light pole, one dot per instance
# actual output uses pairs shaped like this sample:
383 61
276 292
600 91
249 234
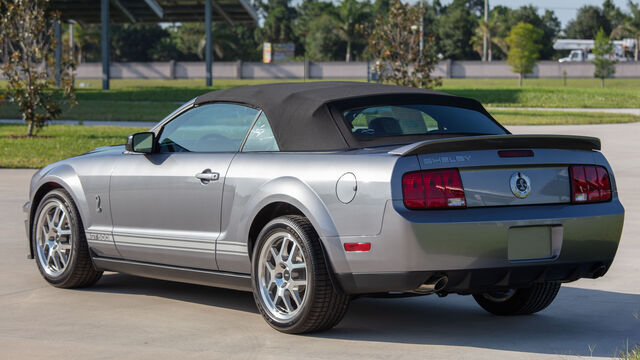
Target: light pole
485 38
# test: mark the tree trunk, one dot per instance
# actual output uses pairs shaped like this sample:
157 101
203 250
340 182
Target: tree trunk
348 57
636 49
30 129
490 51
520 79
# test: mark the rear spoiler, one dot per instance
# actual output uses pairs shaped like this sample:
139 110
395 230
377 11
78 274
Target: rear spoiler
489 142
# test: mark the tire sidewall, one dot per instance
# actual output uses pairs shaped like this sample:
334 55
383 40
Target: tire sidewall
76 229
279 225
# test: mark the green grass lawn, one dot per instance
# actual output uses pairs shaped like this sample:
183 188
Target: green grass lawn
151 100
526 117
61 141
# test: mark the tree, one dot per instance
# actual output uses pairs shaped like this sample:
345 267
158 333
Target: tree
279 18
602 49
524 49
28 33
630 26
587 22
323 42
490 29
350 17
146 38
395 44
455 28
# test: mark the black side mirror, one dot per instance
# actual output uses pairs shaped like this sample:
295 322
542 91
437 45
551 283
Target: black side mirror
141 142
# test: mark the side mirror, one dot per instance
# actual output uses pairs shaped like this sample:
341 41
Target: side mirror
141 142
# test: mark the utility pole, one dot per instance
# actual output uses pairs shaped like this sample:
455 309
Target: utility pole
485 40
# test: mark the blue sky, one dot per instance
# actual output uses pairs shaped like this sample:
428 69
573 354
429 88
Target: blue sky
565 9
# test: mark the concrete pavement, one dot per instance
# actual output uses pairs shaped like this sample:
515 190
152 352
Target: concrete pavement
128 317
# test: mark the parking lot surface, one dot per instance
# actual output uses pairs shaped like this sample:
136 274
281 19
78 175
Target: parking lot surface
128 317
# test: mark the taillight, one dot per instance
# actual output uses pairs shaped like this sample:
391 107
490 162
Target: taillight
589 184
433 189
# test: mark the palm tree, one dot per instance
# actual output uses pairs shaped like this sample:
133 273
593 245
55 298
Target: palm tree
490 29
350 16
630 27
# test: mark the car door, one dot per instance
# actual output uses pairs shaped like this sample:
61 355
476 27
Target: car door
166 205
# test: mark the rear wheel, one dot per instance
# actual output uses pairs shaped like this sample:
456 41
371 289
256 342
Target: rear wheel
61 250
522 301
291 283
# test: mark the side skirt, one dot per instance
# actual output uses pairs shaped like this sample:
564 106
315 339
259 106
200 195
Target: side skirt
173 273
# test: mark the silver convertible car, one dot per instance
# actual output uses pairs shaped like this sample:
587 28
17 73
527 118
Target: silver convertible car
310 194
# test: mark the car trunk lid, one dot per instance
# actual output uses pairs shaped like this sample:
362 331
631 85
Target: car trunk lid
536 173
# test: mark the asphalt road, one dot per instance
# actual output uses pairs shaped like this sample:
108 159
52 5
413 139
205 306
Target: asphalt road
128 317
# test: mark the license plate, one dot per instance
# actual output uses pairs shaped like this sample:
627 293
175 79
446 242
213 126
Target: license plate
530 243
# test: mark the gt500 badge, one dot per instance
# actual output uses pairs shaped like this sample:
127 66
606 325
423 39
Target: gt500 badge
520 185
91 236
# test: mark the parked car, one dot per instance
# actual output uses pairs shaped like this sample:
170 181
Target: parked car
308 194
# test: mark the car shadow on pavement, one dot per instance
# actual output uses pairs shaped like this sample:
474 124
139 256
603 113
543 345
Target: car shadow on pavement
580 322
198 294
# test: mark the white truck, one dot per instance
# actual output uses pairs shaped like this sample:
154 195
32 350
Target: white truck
581 49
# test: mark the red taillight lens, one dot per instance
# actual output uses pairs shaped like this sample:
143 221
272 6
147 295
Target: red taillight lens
413 191
589 184
433 189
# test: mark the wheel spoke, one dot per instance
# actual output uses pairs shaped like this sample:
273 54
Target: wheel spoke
64 232
297 266
56 261
295 295
287 301
55 215
63 259
273 254
62 218
49 222
297 283
283 246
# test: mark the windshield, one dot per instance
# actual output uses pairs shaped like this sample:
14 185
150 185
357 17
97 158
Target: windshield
399 120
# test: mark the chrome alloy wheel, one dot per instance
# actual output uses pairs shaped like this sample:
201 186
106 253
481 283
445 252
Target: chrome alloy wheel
54 238
282 276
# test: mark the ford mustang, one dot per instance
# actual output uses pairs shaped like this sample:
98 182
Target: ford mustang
310 194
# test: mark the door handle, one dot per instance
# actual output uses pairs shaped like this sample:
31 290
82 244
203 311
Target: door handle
206 175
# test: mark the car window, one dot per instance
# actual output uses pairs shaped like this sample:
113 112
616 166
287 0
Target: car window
207 128
261 137
398 120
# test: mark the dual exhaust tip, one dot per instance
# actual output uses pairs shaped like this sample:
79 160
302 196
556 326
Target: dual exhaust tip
435 284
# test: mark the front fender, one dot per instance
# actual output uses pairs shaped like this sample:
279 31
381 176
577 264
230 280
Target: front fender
65 176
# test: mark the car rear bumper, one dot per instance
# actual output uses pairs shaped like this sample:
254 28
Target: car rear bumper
472 247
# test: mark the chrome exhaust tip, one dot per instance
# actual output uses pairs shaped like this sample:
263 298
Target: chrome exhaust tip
433 285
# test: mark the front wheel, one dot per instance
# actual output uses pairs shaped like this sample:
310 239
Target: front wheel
59 242
291 283
522 301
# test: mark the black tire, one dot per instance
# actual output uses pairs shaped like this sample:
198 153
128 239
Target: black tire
324 306
79 271
522 301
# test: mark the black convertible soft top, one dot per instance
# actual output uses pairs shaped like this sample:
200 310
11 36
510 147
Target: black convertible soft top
307 116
